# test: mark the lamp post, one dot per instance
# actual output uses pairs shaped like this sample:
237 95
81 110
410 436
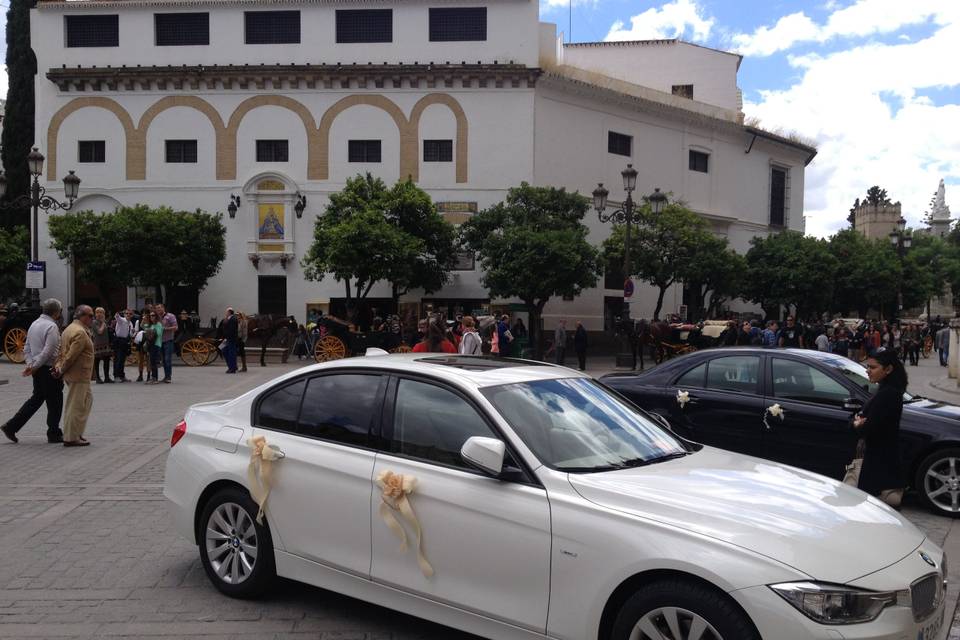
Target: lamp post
901 241
38 199
626 216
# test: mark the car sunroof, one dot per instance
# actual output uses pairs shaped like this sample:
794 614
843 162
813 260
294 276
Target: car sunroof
479 363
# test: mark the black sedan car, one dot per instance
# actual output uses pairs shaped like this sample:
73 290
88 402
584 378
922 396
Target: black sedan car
794 406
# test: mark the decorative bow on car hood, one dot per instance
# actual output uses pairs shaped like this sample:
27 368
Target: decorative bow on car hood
828 530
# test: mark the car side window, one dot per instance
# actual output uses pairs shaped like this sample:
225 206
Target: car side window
432 423
280 407
794 380
694 377
340 407
734 373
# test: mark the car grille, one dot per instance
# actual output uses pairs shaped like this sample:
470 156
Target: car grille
925 596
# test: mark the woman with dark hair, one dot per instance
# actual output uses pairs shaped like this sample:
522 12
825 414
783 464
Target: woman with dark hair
878 427
435 341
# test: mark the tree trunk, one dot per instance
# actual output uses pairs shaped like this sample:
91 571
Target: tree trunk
536 313
656 312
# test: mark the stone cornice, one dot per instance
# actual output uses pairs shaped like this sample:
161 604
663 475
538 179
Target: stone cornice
292 76
73 5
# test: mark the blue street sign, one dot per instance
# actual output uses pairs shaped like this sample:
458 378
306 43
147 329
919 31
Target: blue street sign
36 275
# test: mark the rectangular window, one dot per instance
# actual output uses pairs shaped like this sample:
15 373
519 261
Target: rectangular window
364 151
341 408
699 161
460 24
438 150
683 90
91 151
619 144
181 29
181 151
93 31
778 197
364 25
272 27
273 151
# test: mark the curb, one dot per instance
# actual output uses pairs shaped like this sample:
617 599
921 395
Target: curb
947 385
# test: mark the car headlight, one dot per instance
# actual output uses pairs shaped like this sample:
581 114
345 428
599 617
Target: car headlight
837 604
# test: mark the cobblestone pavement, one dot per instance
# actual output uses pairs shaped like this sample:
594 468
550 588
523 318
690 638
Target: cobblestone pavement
89 551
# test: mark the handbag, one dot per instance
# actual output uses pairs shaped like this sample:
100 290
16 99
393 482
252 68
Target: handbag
852 475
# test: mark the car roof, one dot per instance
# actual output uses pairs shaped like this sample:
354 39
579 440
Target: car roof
475 371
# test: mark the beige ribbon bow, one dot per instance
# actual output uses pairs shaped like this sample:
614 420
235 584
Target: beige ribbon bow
260 472
396 488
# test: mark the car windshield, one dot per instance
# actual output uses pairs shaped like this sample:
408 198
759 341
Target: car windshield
857 374
575 425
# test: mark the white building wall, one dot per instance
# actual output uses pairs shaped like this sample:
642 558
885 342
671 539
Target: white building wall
660 64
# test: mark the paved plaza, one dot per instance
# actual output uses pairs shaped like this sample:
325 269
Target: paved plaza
89 552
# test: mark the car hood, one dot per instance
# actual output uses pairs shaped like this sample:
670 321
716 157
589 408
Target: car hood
927 407
827 530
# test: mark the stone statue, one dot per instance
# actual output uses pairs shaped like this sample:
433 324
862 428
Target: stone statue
940 210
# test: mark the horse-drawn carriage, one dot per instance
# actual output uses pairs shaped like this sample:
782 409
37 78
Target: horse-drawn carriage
337 340
14 323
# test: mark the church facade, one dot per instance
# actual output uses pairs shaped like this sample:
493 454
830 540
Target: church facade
262 109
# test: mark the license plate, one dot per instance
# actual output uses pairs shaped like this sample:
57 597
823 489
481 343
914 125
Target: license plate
932 629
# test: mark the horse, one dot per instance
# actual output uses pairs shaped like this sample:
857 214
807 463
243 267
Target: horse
266 327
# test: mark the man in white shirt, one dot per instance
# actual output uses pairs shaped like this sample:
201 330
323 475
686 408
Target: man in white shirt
823 342
122 331
41 351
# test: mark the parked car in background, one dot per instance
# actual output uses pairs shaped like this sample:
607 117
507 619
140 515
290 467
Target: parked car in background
730 391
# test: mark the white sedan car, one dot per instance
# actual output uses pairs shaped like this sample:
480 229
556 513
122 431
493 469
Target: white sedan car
513 499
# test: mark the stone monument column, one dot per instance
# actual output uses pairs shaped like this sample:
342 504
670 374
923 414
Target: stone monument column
953 355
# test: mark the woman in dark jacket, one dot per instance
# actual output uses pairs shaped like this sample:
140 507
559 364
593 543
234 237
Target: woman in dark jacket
878 425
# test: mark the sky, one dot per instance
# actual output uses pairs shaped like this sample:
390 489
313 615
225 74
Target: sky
875 84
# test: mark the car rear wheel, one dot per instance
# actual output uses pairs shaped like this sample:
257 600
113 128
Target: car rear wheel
681 610
938 482
236 552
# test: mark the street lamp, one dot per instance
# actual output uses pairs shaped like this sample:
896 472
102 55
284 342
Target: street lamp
625 216
38 199
901 241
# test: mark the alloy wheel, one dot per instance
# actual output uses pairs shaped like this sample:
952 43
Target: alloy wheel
941 483
231 543
673 623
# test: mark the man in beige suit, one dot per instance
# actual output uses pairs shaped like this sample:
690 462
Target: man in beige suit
75 365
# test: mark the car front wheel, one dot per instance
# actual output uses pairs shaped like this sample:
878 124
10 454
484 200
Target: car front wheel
938 482
236 552
681 610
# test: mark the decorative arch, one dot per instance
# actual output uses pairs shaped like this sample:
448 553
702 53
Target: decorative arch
408 145
229 147
53 132
462 130
97 202
169 102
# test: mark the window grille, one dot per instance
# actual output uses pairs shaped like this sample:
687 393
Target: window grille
181 29
91 151
364 151
778 197
272 27
273 151
619 143
365 25
181 151
458 24
699 161
438 150
93 31
683 90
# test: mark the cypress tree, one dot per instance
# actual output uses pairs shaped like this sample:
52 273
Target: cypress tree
18 122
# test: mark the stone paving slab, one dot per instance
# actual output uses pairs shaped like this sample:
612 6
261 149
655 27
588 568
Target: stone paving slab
90 552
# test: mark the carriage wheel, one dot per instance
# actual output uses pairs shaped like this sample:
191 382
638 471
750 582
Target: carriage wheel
329 348
194 352
402 349
213 352
13 344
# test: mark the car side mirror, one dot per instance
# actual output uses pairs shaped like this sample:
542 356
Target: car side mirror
486 454
852 404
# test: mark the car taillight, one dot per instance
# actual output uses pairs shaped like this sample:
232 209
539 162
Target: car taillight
178 432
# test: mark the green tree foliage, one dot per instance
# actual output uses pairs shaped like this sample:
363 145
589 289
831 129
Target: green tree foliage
370 233
534 246
664 248
868 274
14 253
792 270
18 138
877 196
927 269
718 272
140 245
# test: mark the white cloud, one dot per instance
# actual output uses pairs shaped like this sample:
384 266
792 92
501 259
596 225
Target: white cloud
862 107
863 18
677 19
